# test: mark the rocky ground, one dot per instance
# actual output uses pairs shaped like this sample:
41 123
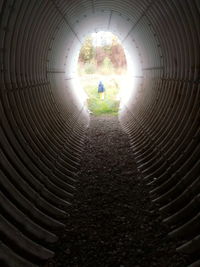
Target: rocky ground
113 223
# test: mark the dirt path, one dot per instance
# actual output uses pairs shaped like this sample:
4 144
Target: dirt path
113 223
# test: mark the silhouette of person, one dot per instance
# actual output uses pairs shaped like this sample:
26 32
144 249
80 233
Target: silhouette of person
101 90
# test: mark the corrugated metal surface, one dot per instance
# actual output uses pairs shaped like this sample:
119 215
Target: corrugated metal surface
42 121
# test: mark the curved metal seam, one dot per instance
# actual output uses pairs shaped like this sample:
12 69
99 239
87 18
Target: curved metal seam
66 20
139 19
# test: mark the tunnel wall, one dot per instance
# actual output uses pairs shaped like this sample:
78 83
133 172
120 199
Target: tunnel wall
43 121
163 123
42 125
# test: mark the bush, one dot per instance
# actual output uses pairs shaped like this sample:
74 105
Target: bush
89 68
107 67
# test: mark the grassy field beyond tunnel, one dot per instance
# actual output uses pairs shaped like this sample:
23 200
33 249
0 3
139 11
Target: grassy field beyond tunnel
111 101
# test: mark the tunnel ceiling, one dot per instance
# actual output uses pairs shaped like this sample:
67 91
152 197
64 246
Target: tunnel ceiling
42 120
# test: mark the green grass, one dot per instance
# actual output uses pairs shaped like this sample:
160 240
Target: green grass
110 104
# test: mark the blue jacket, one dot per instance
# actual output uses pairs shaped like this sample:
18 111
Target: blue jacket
101 88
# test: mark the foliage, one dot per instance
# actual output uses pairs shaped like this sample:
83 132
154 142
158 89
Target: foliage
102 57
87 51
89 68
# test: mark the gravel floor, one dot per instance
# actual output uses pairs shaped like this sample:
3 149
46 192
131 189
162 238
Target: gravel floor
112 223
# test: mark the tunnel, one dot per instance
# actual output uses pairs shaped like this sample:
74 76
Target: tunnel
43 120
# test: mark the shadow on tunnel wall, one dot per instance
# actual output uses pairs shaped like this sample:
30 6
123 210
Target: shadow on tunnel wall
42 121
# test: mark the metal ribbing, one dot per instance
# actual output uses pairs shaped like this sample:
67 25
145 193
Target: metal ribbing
42 121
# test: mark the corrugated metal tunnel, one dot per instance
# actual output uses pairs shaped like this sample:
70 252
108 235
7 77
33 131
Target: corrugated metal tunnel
42 119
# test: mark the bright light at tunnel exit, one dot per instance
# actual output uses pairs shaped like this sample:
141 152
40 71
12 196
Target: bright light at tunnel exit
127 83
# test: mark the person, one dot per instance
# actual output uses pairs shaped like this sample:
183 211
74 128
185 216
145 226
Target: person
101 90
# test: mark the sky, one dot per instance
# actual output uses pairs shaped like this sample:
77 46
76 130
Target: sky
102 38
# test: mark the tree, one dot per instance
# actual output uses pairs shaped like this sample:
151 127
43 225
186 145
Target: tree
99 55
111 54
87 51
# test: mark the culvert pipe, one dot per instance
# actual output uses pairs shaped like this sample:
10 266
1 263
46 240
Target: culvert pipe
43 121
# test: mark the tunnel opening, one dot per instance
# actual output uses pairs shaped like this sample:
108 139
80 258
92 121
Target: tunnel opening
102 70
43 119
